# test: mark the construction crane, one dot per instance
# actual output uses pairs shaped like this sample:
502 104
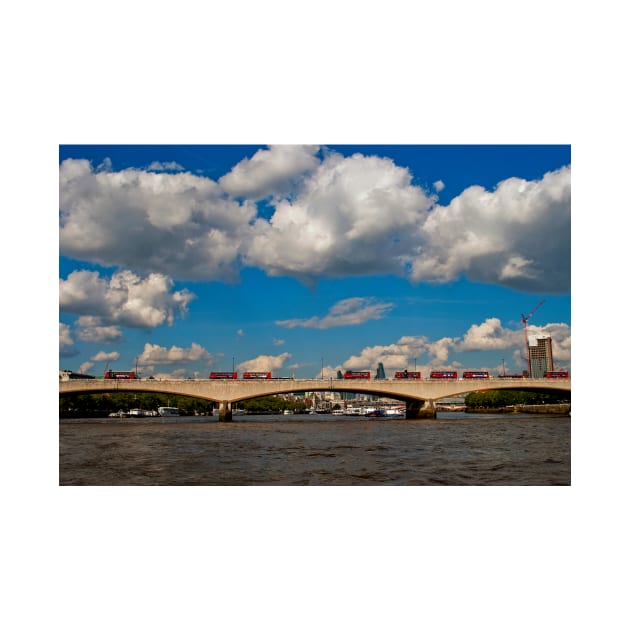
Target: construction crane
524 319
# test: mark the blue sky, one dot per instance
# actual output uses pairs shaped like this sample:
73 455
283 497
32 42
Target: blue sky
187 259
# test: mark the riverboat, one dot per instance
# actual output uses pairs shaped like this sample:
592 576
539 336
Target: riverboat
375 413
169 411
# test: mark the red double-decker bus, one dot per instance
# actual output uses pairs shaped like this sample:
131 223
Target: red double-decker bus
556 375
474 374
123 375
354 374
223 375
444 375
407 374
256 374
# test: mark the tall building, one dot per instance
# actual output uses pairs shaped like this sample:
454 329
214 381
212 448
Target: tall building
541 357
380 371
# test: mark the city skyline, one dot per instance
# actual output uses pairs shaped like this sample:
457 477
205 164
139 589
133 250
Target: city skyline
303 260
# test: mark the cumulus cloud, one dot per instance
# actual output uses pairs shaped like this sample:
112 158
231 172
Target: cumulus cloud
331 217
397 355
351 216
269 171
489 335
125 299
348 312
177 224
264 363
66 342
154 354
90 330
517 235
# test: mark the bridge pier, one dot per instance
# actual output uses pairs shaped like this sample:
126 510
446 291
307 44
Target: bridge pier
421 410
225 411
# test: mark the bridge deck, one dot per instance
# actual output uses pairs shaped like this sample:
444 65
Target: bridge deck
237 390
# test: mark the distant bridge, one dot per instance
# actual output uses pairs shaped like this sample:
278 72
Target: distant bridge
419 395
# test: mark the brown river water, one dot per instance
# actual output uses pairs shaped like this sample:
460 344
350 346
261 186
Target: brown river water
455 449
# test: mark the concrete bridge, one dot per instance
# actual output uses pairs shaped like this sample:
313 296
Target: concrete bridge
419 395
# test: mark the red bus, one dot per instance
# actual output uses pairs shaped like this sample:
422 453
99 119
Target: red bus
407 374
256 374
474 374
353 374
223 375
444 375
124 375
556 375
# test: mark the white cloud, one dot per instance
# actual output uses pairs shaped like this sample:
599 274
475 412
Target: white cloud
240 332
264 363
334 217
125 299
154 355
397 355
106 356
518 235
90 330
66 342
278 342
348 312
439 185
351 216
165 166
269 171
489 335
85 367
178 224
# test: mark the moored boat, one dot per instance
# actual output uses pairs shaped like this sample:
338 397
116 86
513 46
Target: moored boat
169 411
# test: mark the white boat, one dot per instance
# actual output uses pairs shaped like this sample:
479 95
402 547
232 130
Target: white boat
169 411
394 413
337 412
288 412
137 413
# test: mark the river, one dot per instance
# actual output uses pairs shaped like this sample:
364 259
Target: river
455 449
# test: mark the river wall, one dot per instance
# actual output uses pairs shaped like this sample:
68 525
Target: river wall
563 409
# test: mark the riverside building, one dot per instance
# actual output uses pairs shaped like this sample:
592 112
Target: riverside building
541 357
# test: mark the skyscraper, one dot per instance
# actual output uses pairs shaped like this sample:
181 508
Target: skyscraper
541 357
